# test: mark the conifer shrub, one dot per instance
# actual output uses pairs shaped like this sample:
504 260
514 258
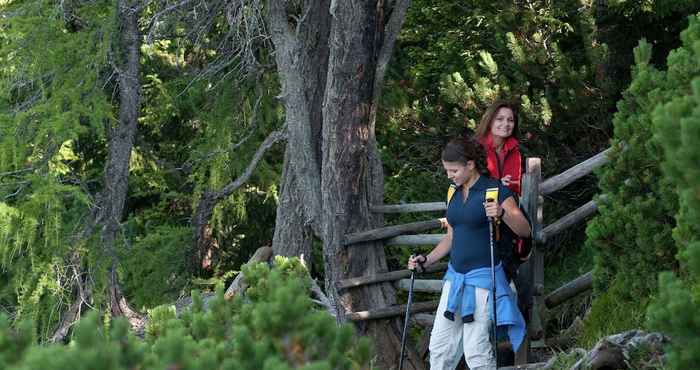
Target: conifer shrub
676 309
631 235
275 326
650 221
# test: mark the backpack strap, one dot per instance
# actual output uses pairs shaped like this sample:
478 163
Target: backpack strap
451 192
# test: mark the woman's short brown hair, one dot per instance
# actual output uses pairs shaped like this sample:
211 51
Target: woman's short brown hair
463 150
485 124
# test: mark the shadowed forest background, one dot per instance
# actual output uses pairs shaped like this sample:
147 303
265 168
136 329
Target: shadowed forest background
145 147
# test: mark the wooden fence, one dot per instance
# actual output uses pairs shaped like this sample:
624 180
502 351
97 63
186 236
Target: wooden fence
531 272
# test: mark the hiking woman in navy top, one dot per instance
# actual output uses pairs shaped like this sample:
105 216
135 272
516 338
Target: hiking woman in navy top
462 321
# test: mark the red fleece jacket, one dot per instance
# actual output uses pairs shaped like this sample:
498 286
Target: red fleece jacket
508 163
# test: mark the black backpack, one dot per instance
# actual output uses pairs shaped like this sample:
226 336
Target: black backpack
514 250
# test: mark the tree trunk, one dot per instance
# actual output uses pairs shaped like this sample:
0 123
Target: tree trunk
352 176
121 141
293 236
330 183
302 57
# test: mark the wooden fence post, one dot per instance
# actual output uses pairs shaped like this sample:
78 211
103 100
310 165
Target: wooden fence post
531 273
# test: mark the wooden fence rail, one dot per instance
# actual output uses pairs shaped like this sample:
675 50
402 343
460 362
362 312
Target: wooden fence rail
409 207
567 221
387 276
426 286
569 290
390 231
418 239
574 173
392 311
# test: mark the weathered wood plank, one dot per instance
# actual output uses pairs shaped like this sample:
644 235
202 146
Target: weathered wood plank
533 269
389 231
417 239
567 221
409 207
387 276
569 290
574 173
428 286
392 311
425 320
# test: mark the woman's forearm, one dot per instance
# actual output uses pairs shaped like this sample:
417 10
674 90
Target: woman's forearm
440 250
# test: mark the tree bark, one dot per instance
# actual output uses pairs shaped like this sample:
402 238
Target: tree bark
302 57
121 141
336 52
351 173
293 236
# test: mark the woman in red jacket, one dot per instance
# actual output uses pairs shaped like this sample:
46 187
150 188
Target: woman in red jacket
497 133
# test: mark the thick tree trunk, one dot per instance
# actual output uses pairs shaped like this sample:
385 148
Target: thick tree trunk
121 142
302 57
293 236
330 180
352 178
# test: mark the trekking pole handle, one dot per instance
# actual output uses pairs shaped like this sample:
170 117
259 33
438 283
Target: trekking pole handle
421 263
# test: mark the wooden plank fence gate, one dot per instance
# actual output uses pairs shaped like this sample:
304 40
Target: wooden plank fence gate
530 273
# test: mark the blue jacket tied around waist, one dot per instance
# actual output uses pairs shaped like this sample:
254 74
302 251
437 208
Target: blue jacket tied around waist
462 295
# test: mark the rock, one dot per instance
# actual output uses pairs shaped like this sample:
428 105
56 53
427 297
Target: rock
613 352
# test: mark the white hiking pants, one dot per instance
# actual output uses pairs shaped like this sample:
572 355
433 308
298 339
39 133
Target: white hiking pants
449 338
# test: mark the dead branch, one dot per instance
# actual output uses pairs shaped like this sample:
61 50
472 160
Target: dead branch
323 299
210 199
391 32
239 284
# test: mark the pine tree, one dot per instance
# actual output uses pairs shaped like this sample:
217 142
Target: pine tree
648 215
677 127
631 235
51 126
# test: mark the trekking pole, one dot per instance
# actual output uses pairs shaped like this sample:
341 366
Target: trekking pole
493 291
406 318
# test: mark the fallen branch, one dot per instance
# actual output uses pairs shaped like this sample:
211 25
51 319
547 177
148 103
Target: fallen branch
323 299
239 284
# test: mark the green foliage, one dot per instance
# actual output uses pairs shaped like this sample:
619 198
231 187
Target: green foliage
564 361
274 327
652 206
632 232
677 127
612 312
153 268
52 117
58 93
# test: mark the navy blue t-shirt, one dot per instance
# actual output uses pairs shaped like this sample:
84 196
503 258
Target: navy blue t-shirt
470 226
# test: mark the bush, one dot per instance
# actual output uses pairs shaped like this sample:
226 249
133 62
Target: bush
275 326
651 222
677 127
